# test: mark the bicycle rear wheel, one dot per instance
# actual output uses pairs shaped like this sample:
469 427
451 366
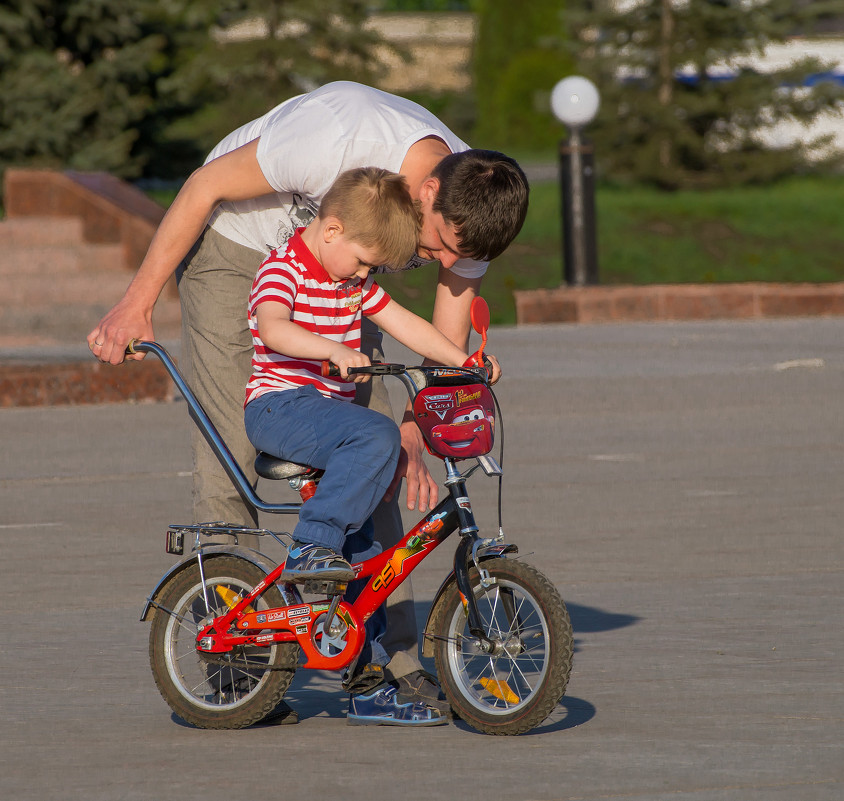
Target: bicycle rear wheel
216 691
514 688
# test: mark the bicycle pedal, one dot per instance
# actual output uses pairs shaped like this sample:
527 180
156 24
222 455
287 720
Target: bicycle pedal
329 588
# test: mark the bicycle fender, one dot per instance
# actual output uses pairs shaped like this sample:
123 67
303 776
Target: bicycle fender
260 561
484 554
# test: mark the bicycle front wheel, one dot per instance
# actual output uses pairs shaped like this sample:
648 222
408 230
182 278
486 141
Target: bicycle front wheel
216 691
513 688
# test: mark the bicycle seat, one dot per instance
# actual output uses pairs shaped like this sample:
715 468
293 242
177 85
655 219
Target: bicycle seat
268 466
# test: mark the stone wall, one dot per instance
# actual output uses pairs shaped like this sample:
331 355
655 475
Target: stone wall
439 46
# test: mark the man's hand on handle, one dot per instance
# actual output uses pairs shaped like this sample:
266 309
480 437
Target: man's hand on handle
116 330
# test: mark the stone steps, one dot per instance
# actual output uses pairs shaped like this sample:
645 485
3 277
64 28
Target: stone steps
40 231
56 286
42 263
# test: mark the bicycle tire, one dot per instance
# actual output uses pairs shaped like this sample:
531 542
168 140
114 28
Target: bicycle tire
514 689
216 691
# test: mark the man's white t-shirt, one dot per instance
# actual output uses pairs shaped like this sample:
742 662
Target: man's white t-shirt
307 141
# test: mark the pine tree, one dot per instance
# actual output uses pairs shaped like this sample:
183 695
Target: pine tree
147 87
519 55
74 82
261 52
681 105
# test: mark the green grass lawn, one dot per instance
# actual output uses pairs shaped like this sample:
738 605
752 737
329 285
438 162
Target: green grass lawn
792 231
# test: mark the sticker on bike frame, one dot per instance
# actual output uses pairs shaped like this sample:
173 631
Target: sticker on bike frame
395 565
463 503
434 524
347 619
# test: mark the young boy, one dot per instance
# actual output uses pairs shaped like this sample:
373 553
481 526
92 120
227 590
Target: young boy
305 307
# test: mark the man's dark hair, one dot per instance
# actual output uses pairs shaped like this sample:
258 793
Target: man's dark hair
484 194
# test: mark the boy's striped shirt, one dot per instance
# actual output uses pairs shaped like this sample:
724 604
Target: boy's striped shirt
293 276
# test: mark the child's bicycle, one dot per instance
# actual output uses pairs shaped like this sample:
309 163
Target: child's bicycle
228 630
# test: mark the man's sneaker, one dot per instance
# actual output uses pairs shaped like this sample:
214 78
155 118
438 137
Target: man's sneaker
306 562
282 715
382 708
363 679
421 687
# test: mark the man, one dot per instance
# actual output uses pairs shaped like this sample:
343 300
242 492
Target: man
258 186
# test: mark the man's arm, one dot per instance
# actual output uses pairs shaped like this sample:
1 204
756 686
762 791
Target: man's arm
451 306
451 317
234 176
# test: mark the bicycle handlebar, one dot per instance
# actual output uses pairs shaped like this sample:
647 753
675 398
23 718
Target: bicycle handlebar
329 369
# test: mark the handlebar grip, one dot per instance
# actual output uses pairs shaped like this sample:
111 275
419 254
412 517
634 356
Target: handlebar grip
130 348
479 361
376 368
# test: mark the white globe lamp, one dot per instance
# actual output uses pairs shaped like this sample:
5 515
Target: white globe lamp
575 102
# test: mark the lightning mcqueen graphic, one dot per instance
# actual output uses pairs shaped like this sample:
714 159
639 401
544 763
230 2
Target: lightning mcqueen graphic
456 423
468 433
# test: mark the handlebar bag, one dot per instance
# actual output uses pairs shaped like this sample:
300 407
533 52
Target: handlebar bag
456 421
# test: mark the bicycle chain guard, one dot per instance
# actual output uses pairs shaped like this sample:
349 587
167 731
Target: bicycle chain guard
306 623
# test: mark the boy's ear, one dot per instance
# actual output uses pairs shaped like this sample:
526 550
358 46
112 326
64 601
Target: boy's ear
331 229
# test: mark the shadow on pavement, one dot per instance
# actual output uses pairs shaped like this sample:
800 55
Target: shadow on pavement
591 619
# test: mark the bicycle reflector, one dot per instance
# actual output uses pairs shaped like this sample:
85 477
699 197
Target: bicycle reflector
456 421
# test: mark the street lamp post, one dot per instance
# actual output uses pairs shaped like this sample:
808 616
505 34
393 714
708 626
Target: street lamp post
575 102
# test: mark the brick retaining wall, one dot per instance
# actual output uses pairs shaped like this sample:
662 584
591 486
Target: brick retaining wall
604 304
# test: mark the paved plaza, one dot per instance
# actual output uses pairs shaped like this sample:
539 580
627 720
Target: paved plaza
680 483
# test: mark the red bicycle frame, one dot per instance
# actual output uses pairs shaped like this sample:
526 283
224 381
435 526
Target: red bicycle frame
386 572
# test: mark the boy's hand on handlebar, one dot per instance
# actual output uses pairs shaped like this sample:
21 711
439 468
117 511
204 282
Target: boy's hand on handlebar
345 358
422 490
493 368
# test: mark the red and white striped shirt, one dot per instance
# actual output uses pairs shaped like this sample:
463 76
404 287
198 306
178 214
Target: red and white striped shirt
292 275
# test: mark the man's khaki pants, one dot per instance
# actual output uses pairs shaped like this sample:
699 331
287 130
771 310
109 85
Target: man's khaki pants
214 285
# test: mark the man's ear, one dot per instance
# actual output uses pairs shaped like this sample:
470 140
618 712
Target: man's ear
428 191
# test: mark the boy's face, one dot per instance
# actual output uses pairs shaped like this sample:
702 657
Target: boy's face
343 258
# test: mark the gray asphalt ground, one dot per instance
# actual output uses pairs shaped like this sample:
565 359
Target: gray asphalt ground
680 483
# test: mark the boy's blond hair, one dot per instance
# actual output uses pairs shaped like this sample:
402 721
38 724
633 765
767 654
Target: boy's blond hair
376 211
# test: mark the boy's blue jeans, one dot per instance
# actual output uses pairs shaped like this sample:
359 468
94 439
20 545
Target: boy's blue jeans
358 449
